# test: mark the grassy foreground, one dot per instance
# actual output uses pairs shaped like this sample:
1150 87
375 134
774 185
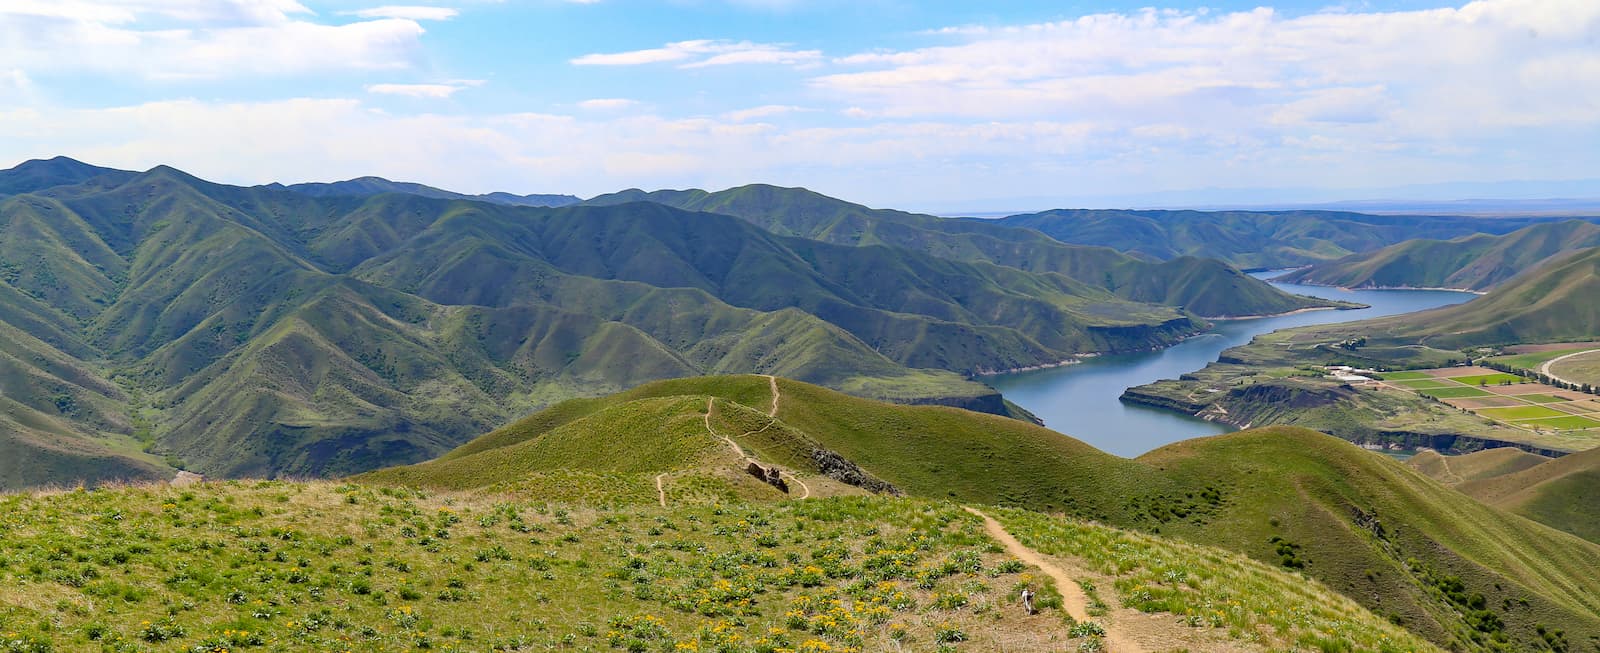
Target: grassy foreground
277 566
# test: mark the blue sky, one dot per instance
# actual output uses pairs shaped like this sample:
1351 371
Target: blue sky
924 105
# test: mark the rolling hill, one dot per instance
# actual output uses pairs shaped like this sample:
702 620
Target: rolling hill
1477 262
1555 492
163 320
1463 574
1204 287
1252 239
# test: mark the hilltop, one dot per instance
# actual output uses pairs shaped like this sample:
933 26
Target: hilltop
1367 526
1253 239
1478 262
370 186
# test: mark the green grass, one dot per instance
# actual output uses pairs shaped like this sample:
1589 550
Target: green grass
1404 376
1488 379
320 567
1427 383
1569 423
1542 399
1534 360
1219 491
1519 412
1228 593
1557 493
1456 392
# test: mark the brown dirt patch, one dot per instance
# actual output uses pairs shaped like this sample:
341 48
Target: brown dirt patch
1520 389
1485 402
1452 372
1573 408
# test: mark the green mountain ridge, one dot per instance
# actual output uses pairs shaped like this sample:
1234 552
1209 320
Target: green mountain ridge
1253 240
802 213
263 332
1360 523
1477 262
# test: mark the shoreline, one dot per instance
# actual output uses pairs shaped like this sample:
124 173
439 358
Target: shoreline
1076 359
1350 289
1293 312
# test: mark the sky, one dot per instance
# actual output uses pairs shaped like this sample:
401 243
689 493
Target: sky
1002 104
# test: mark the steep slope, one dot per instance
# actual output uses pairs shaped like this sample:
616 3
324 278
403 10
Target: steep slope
1251 239
1477 262
1208 291
1466 575
371 186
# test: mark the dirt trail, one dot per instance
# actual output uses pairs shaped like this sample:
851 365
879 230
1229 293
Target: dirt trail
661 491
1543 369
1072 597
738 451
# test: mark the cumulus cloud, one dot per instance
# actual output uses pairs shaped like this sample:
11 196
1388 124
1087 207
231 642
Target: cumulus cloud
1488 63
607 104
440 91
703 52
214 38
407 12
764 111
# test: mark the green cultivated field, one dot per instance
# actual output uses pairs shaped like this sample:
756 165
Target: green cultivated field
1541 399
1421 384
1563 423
1488 379
1519 412
1404 376
1456 392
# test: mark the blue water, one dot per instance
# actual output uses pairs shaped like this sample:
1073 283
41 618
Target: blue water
1082 400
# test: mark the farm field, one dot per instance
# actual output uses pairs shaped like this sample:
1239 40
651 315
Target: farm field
1507 399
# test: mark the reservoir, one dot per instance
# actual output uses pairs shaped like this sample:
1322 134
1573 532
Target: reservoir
1081 400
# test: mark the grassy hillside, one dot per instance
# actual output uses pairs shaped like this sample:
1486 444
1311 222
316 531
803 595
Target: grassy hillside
1555 492
1204 288
1478 465
1251 239
1388 537
1476 262
319 566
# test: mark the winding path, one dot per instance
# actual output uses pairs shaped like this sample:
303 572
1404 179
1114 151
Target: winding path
1072 596
738 452
1545 368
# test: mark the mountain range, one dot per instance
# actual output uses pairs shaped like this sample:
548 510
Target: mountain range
1477 262
1254 239
158 319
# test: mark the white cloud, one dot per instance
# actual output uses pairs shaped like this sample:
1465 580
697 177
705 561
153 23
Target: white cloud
408 12
607 104
441 91
764 111
887 162
1487 64
184 39
702 53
